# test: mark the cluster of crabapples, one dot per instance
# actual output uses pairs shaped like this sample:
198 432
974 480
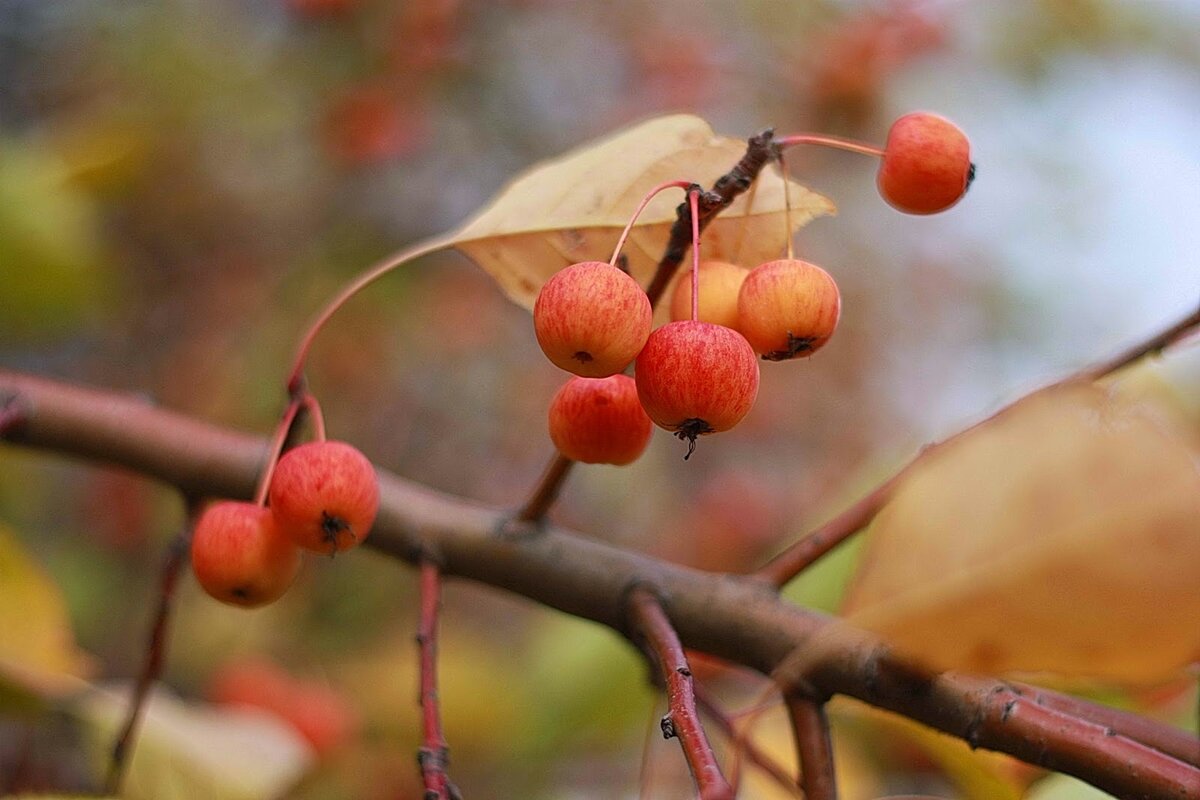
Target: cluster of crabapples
699 373
323 497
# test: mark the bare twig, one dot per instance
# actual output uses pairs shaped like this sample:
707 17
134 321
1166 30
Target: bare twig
156 649
654 630
743 744
434 754
547 489
800 555
814 749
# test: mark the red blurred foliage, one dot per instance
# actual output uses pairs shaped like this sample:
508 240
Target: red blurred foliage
843 72
427 35
673 69
116 508
322 8
727 525
370 123
317 712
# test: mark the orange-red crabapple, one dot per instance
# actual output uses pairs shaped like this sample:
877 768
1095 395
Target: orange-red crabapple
324 496
788 308
599 420
695 378
591 319
239 555
719 284
926 165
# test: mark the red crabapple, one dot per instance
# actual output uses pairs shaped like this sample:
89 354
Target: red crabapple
788 308
695 378
926 166
591 319
239 555
599 420
719 284
324 496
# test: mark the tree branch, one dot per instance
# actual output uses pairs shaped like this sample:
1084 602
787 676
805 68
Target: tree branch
760 759
653 630
434 755
156 651
814 750
738 618
800 555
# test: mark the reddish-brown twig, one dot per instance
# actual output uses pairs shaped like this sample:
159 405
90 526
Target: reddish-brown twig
800 555
156 650
732 617
814 750
11 414
434 754
743 743
658 637
1176 743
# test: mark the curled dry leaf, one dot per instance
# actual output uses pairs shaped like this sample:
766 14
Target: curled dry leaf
573 208
1062 537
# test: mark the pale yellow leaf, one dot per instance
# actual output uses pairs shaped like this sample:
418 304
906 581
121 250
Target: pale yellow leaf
573 208
38 654
185 750
1062 536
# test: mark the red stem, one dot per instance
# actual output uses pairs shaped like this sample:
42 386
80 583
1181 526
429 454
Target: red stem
836 142
277 440
659 637
434 754
814 749
152 664
800 555
694 206
295 379
638 211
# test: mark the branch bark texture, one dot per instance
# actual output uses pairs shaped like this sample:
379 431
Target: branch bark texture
741 619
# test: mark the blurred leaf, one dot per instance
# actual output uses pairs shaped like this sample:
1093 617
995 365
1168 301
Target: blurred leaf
573 208
49 244
1064 787
38 655
186 751
1063 536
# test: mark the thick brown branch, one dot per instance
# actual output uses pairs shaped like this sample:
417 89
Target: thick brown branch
653 630
800 555
740 619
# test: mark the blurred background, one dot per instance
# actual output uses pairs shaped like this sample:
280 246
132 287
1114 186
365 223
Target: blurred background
183 183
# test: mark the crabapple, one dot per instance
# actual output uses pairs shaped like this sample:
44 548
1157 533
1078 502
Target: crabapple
719 284
788 308
240 556
599 420
324 496
314 710
926 165
695 378
591 319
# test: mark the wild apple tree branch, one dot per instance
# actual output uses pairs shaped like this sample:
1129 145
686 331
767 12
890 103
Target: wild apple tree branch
800 555
738 618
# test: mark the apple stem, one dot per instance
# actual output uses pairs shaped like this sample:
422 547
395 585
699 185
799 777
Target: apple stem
836 142
686 185
277 439
694 207
295 381
318 419
787 208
